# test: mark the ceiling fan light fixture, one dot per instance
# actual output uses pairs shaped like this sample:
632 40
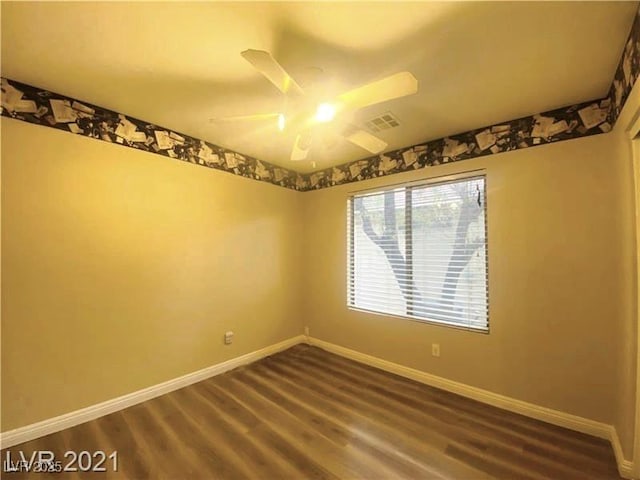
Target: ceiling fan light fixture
325 112
302 112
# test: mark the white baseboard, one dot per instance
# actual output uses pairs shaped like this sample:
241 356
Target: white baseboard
555 417
71 419
625 467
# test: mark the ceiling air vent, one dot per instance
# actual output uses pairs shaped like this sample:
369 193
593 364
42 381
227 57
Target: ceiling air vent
383 122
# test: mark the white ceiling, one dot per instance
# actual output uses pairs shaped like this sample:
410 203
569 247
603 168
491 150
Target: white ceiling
178 64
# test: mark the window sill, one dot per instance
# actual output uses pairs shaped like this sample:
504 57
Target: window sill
438 323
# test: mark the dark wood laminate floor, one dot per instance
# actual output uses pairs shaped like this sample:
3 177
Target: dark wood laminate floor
306 413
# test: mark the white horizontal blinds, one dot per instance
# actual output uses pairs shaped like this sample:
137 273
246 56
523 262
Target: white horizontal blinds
377 264
420 251
449 253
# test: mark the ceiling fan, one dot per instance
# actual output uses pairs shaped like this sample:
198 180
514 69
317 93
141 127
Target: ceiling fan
305 114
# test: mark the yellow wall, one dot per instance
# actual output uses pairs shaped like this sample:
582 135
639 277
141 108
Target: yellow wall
122 269
560 251
635 372
628 355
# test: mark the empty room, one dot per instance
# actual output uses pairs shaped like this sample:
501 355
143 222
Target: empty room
320 240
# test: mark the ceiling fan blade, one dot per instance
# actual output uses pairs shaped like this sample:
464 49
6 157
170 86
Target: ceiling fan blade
300 148
394 86
236 118
365 140
272 70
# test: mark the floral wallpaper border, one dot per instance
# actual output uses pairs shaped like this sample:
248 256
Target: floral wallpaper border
627 71
589 118
41 107
35 105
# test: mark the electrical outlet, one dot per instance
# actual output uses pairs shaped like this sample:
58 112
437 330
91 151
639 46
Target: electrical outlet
228 337
306 331
435 349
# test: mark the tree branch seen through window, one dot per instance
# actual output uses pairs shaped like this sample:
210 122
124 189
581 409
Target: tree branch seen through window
431 237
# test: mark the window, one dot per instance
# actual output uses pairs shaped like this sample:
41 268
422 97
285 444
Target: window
420 251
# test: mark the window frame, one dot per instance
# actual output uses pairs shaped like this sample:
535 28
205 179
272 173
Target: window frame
408 186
